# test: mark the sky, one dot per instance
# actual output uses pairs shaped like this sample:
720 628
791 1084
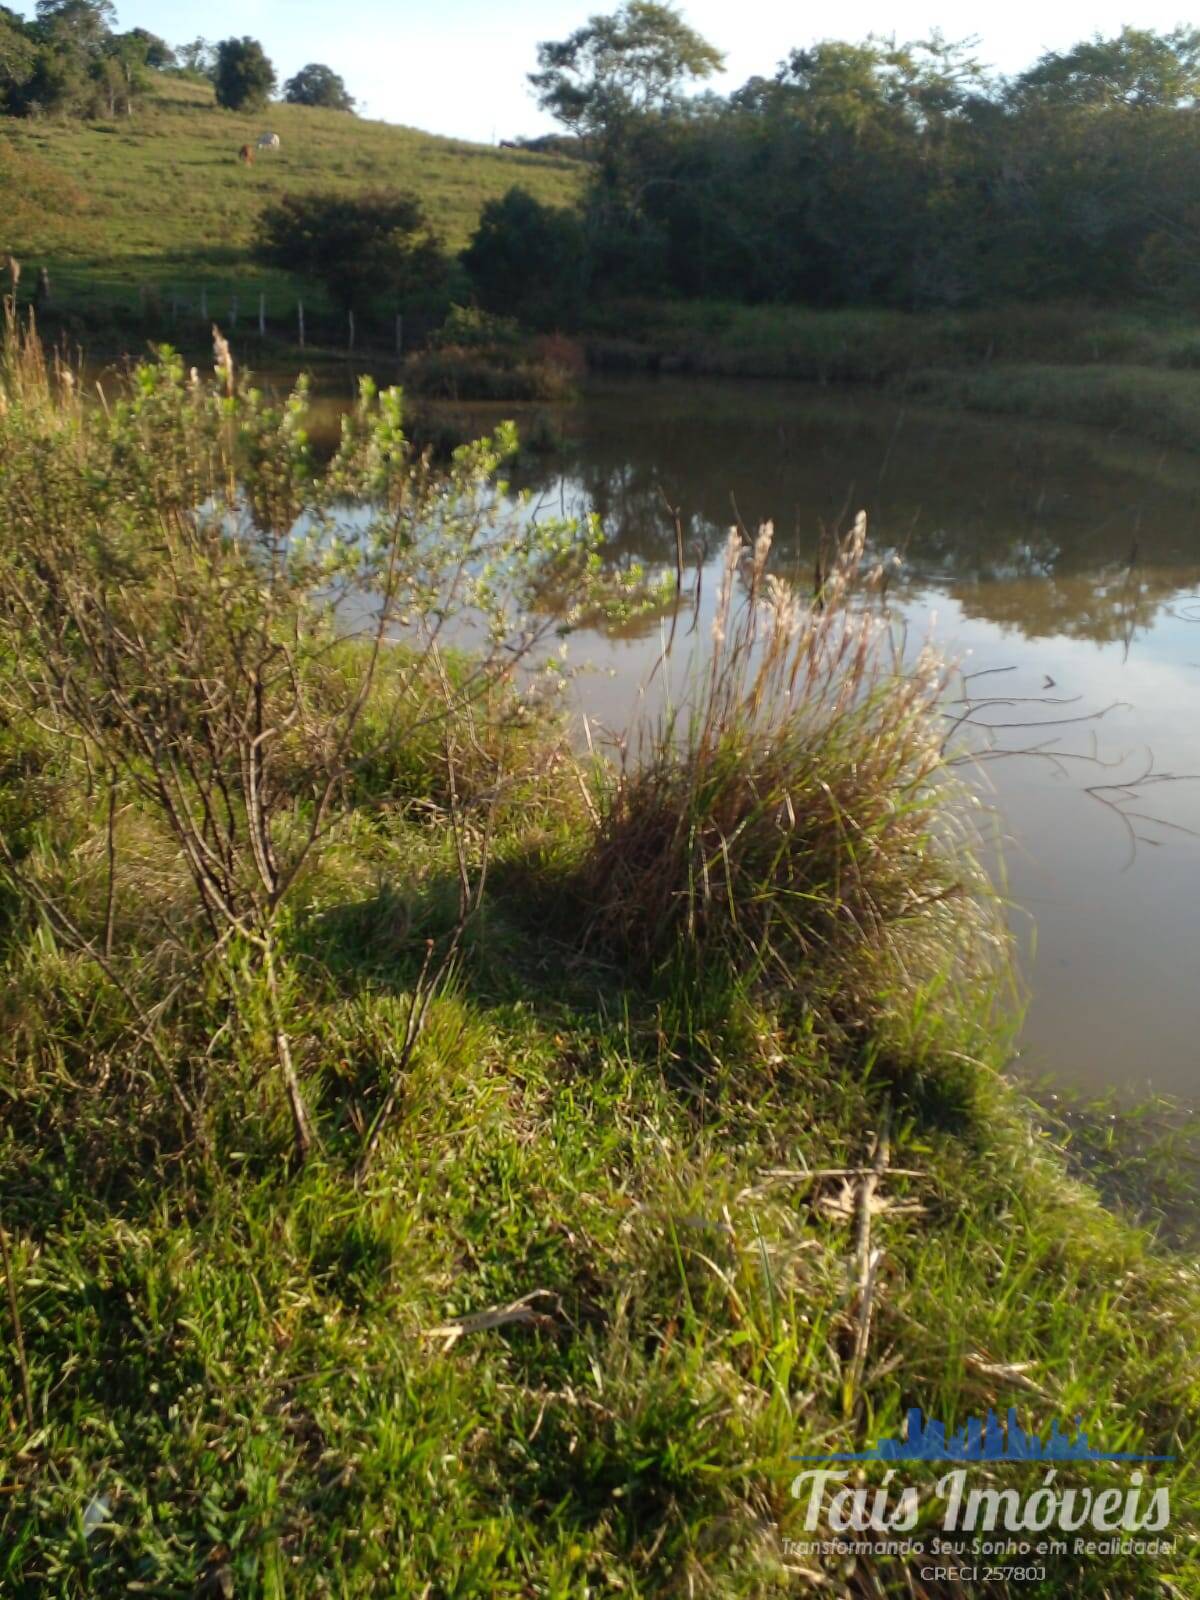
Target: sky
458 66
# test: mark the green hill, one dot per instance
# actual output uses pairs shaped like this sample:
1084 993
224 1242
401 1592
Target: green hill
160 201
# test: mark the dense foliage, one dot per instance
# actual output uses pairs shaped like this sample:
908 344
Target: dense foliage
360 247
70 60
243 77
318 85
528 259
905 175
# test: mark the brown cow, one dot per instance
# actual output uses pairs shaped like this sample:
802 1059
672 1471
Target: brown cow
246 155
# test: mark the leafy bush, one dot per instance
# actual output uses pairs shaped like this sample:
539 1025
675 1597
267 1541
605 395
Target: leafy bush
174 591
476 355
470 328
361 247
452 373
528 258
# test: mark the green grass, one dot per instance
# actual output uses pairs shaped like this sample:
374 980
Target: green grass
1151 403
243 1365
159 200
1134 371
245 1376
873 346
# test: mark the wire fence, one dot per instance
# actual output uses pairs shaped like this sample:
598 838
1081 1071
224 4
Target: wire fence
185 311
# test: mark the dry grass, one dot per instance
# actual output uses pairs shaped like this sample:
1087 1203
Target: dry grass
790 821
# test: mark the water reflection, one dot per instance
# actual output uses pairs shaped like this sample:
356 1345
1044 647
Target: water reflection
1046 530
1064 563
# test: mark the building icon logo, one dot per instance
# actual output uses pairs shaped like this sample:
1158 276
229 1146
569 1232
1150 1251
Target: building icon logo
986 1439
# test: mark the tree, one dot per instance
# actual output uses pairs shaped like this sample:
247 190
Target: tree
80 26
243 76
198 57
58 82
849 84
318 85
155 52
120 75
618 70
359 247
1137 68
527 258
18 56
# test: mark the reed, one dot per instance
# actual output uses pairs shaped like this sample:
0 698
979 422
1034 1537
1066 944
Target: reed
790 820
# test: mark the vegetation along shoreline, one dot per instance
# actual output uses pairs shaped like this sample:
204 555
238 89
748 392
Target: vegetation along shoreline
450 1150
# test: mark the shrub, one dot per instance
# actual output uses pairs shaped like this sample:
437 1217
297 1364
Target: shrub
192 612
455 372
476 355
360 247
528 258
558 351
469 328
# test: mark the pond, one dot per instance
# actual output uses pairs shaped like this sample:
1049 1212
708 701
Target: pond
1059 565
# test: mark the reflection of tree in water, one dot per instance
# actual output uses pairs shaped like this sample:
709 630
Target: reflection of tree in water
1045 530
635 506
1109 607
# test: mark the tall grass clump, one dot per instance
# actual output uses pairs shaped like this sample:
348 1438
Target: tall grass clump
790 821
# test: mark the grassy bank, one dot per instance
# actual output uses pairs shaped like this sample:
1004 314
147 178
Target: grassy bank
1136 372
159 201
656 1130
1148 403
872 346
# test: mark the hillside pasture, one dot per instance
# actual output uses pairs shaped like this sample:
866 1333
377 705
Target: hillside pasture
159 200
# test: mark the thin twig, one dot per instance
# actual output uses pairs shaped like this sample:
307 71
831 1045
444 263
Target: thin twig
868 1261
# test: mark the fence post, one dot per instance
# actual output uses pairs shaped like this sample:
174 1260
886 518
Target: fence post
300 320
351 315
399 334
262 316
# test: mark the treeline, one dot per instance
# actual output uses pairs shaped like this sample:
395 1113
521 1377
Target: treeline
70 60
859 174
